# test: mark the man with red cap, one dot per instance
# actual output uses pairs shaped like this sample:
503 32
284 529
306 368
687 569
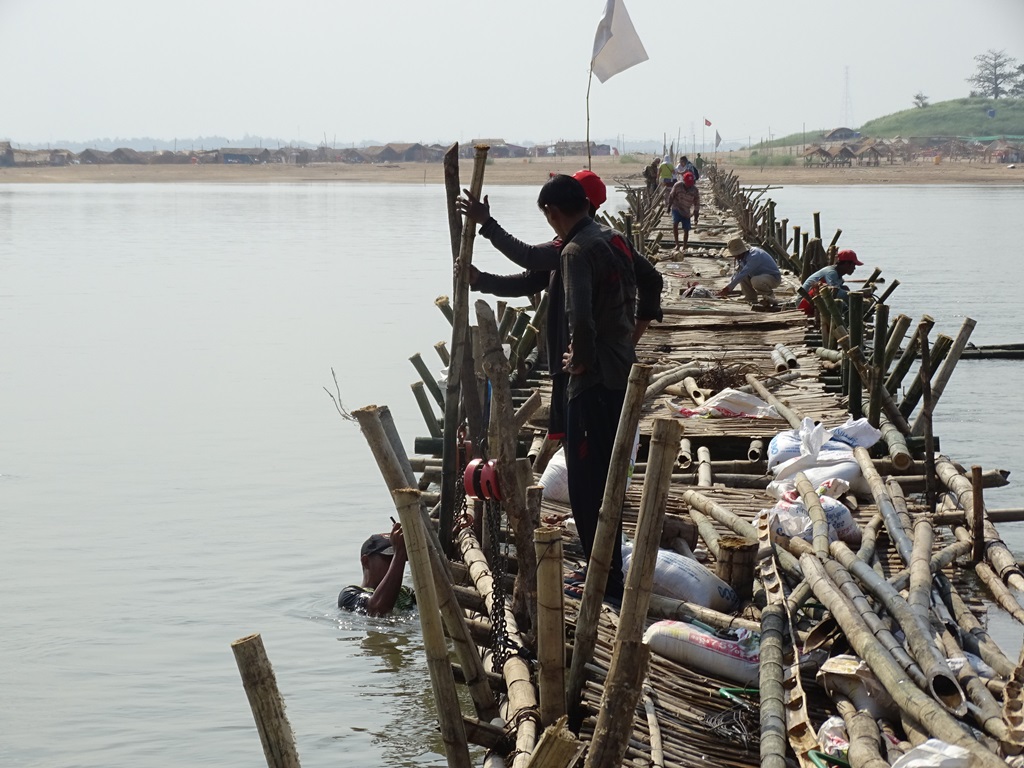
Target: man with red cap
542 263
684 200
846 263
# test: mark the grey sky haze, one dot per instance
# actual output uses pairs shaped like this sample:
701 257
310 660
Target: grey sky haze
457 70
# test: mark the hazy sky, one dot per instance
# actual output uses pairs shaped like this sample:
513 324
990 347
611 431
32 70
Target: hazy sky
456 70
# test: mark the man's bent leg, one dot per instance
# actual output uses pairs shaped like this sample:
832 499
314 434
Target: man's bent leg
747 288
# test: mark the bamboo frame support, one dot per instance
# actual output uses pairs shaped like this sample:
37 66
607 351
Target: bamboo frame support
265 700
704 467
460 353
902 367
785 411
449 714
426 409
897 332
936 353
607 534
550 624
946 372
977 516
878 363
428 378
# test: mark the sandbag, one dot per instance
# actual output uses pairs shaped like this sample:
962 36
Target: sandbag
680 578
732 655
556 478
790 518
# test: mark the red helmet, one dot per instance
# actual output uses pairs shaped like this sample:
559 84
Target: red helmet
593 186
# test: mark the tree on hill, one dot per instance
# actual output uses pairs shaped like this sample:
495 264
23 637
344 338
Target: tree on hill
920 100
1017 89
996 76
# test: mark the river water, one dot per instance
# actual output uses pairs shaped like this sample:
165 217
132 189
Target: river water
174 476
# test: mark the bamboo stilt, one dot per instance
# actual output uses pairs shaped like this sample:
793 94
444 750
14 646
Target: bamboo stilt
265 700
449 714
550 625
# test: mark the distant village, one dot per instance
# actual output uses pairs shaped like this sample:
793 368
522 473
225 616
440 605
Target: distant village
844 147
389 153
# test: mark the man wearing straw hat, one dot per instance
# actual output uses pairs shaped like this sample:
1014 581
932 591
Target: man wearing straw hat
383 558
757 274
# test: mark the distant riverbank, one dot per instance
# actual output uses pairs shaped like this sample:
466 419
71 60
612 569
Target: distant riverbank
505 171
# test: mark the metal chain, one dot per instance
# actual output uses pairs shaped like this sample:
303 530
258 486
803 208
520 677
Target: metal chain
499 631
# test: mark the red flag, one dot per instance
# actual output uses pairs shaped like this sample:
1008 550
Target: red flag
707 122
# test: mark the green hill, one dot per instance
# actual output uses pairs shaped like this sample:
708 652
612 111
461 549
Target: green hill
959 117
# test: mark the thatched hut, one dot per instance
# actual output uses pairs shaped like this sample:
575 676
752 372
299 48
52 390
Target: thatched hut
127 156
94 157
6 154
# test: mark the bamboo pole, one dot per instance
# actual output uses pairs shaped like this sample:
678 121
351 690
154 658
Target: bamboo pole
865 739
856 325
265 700
426 410
704 467
428 378
896 444
787 355
607 534
444 304
550 624
785 411
920 569
935 352
923 709
442 352
942 684
459 352
878 363
943 376
378 429
503 448
557 748
629 661
770 673
672 377
897 333
755 451
653 727
977 516
685 458
449 714
691 389
902 367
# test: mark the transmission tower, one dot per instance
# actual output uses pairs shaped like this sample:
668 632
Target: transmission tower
846 118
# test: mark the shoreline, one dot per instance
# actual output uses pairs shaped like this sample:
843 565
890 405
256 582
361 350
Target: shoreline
532 171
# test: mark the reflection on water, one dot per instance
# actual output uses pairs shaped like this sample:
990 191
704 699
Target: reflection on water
174 476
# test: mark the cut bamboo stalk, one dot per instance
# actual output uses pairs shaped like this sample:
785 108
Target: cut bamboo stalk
943 376
526 410
897 332
685 458
653 727
902 367
449 714
755 450
557 748
779 361
704 467
785 411
672 377
987 712
428 378
607 534
896 444
832 355
919 597
855 382
865 739
460 352
915 391
977 516
787 355
878 364
265 700
691 389
819 525
550 624
629 661
734 563
426 409
442 352
443 303
770 672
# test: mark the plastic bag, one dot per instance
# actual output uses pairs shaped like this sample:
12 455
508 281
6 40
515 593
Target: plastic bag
832 737
790 518
935 754
731 404
854 679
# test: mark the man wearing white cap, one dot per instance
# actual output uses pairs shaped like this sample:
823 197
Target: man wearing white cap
757 274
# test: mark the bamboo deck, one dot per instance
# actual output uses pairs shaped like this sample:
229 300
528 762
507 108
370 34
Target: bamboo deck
695 724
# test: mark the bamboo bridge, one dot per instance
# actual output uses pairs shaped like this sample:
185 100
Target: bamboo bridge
558 680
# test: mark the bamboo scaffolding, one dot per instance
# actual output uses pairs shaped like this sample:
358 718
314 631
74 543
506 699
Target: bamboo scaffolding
946 372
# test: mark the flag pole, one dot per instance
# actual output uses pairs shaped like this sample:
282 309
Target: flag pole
590 79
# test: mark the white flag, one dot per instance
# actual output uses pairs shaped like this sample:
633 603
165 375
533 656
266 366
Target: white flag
617 46
718 139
